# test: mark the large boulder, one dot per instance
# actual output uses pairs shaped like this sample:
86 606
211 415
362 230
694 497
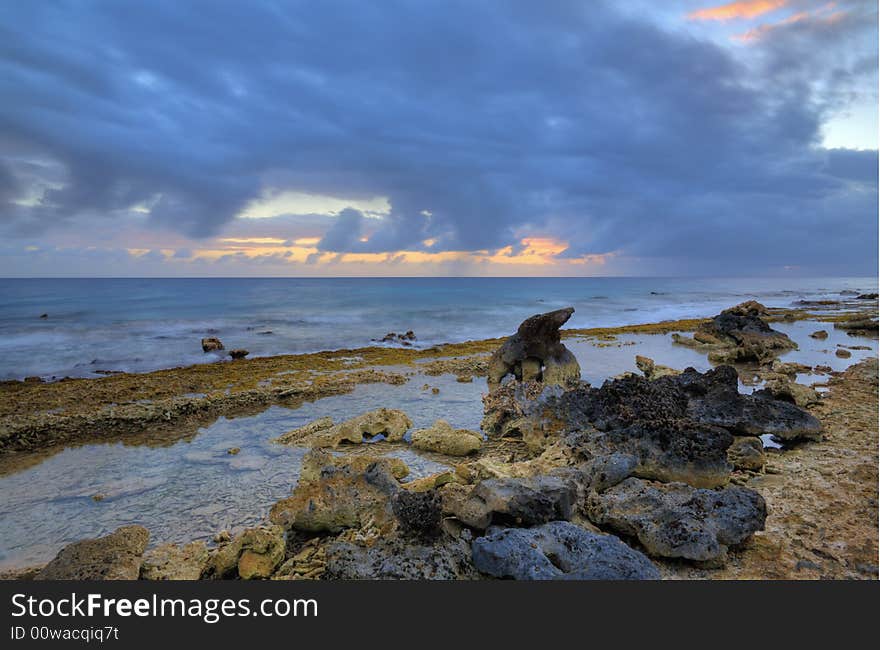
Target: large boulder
675 520
116 556
442 438
334 494
536 353
558 550
173 562
391 423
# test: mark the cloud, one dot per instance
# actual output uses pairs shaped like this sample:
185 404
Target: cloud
472 126
738 10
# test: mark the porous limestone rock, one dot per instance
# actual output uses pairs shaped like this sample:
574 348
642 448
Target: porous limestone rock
746 453
333 494
442 438
254 554
394 558
739 334
536 353
173 562
517 501
558 550
116 556
391 423
653 371
675 520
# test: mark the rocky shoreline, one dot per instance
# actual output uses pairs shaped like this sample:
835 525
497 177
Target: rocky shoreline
655 475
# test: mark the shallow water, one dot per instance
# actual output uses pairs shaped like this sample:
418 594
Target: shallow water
136 325
192 488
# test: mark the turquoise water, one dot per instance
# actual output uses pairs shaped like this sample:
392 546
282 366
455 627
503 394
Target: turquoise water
137 325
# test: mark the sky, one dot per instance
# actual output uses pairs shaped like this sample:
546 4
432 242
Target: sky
682 137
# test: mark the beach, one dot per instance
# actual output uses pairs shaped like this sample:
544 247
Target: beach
187 452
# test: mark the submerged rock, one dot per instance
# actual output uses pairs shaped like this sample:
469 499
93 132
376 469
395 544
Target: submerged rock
675 520
116 556
211 344
858 324
391 423
536 353
254 554
653 371
443 439
173 562
559 550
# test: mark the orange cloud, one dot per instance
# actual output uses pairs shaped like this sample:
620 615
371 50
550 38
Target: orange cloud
735 10
533 253
822 14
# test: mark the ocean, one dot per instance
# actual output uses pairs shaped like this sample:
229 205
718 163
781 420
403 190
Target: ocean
93 326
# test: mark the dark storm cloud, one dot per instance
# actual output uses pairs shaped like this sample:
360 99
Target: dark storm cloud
479 122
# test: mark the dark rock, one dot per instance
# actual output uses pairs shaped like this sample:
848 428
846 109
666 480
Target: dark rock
33 380
419 513
116 556
558 550
867 296
819 334
843 354
211 344
44 316
676 520
714 399
747 335
515 501
536 352
393 558
238 354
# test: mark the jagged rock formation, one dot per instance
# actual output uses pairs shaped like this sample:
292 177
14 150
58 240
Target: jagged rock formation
536 353
739 334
